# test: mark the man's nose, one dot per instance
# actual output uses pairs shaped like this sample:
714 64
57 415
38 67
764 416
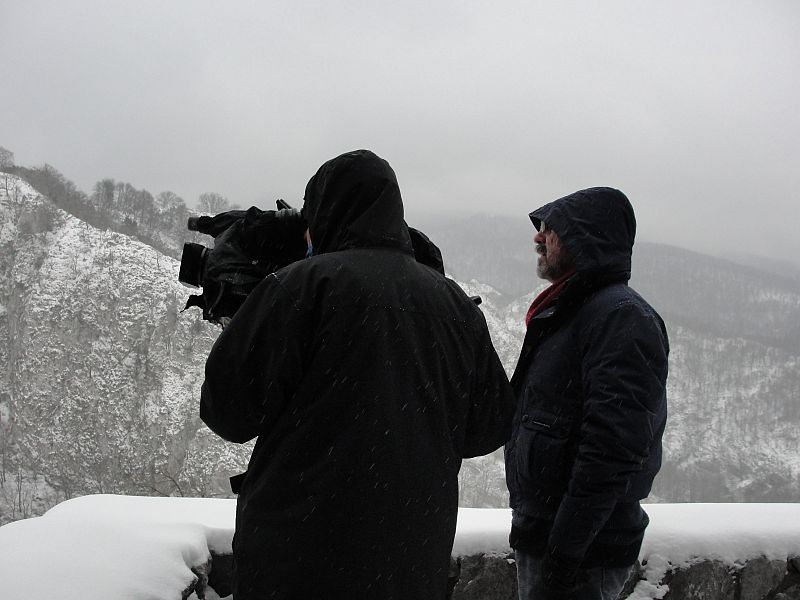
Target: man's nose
538 238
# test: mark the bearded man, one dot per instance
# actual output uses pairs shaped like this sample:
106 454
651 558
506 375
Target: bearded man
591 389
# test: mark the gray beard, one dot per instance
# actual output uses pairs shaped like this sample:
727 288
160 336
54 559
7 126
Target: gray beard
553 270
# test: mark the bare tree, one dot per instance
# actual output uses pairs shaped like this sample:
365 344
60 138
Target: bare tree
19 493
103 194
211 202
6 158
167 202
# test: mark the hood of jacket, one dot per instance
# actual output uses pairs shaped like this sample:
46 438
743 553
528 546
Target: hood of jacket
353 201
597 226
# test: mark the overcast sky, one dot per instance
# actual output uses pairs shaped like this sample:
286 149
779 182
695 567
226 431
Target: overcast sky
690 107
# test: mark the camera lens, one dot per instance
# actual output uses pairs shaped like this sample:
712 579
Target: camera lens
193 262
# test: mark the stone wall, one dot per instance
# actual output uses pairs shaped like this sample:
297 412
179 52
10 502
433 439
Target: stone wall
757 579
493 577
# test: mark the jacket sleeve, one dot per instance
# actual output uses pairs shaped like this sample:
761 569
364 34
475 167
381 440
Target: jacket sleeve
255 365
624 370
493 403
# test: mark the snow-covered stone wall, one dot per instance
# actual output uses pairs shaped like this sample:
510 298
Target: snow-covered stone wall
137 548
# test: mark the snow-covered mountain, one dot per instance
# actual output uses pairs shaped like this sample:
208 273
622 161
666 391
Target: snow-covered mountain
100 388
102 369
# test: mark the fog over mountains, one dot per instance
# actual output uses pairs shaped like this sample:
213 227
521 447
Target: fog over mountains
100 386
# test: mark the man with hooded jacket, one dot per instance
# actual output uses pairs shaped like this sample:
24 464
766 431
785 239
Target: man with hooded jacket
591 390
366 377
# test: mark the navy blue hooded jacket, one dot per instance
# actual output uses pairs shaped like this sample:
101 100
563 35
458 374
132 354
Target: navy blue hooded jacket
366 377
591 390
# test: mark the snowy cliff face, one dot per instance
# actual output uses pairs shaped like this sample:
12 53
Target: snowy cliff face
100 385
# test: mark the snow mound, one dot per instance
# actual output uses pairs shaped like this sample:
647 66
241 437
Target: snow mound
122 547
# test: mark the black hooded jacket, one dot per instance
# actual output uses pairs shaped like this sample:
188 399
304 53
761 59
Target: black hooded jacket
591 387
366 377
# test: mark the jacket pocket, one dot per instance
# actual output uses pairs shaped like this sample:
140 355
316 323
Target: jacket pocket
544 452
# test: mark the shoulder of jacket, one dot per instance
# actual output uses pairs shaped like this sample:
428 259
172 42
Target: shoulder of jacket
615 298
290 281
610 296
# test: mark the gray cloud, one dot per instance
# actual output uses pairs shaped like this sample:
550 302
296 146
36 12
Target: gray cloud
690 108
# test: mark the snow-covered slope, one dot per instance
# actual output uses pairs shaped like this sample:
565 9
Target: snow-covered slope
102 385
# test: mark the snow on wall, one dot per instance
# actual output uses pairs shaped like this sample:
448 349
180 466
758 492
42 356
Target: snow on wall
136 548
123 547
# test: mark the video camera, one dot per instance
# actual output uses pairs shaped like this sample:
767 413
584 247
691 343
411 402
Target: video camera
248 246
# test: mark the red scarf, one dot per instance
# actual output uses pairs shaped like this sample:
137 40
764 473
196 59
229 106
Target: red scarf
546 297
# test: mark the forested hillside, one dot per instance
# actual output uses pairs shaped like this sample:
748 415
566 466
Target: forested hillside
157 220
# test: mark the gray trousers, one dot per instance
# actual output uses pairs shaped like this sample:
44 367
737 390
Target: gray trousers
598 583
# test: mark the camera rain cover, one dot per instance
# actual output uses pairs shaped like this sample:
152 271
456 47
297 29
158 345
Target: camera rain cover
252 245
